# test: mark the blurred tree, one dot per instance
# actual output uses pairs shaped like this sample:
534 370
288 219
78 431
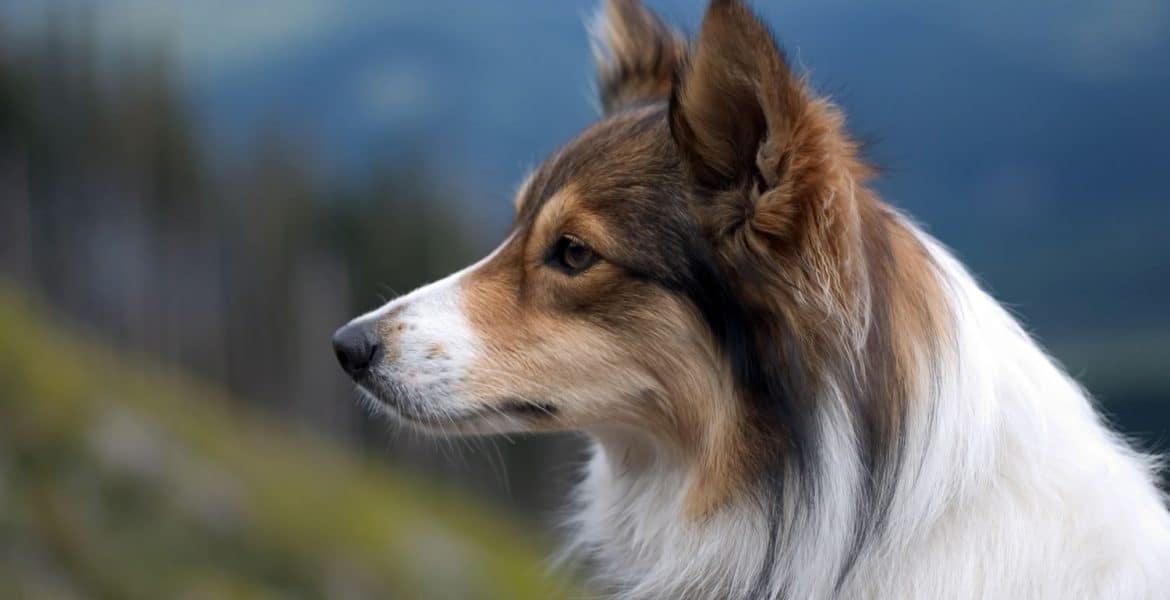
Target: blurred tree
235 267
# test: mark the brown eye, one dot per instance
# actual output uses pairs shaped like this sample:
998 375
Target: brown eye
572 256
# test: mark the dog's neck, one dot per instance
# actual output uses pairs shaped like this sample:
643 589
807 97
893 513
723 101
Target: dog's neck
634 521
832 528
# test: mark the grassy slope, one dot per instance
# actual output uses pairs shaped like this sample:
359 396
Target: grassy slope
118 485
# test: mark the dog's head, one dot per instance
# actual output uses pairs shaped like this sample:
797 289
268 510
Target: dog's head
672 271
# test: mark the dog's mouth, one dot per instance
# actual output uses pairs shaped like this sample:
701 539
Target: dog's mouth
490 418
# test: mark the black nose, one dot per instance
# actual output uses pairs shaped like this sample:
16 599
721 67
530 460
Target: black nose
357 348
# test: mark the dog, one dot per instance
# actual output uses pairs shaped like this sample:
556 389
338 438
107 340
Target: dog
791 390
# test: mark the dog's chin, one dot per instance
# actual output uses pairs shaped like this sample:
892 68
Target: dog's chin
509 416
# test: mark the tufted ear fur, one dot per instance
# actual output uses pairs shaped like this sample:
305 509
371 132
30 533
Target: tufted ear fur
736 110
638 56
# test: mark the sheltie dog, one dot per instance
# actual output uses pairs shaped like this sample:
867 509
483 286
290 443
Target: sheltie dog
791 390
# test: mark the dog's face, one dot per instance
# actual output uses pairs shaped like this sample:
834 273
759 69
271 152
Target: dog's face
606 305
651 260
583 317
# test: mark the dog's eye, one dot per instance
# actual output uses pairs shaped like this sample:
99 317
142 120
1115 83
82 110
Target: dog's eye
572 256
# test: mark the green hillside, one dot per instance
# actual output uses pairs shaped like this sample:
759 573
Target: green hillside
115 484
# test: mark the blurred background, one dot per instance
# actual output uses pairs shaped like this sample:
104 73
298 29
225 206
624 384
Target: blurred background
193 195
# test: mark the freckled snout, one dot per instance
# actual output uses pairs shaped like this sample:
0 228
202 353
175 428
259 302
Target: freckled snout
416 358
357 348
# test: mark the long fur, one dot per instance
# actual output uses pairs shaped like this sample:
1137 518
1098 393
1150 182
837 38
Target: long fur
1000 480
1010 487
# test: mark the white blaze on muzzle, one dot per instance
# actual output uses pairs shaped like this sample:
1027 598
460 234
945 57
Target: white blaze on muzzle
414 354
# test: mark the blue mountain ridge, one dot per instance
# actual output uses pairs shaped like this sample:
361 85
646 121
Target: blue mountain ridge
1048 184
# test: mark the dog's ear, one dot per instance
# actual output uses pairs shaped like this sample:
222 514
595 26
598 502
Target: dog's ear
734 113
638 56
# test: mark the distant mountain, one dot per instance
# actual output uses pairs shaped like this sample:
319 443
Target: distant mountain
982 145
1030 138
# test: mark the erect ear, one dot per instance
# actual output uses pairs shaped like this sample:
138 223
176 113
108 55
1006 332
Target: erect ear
735 109
637 55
